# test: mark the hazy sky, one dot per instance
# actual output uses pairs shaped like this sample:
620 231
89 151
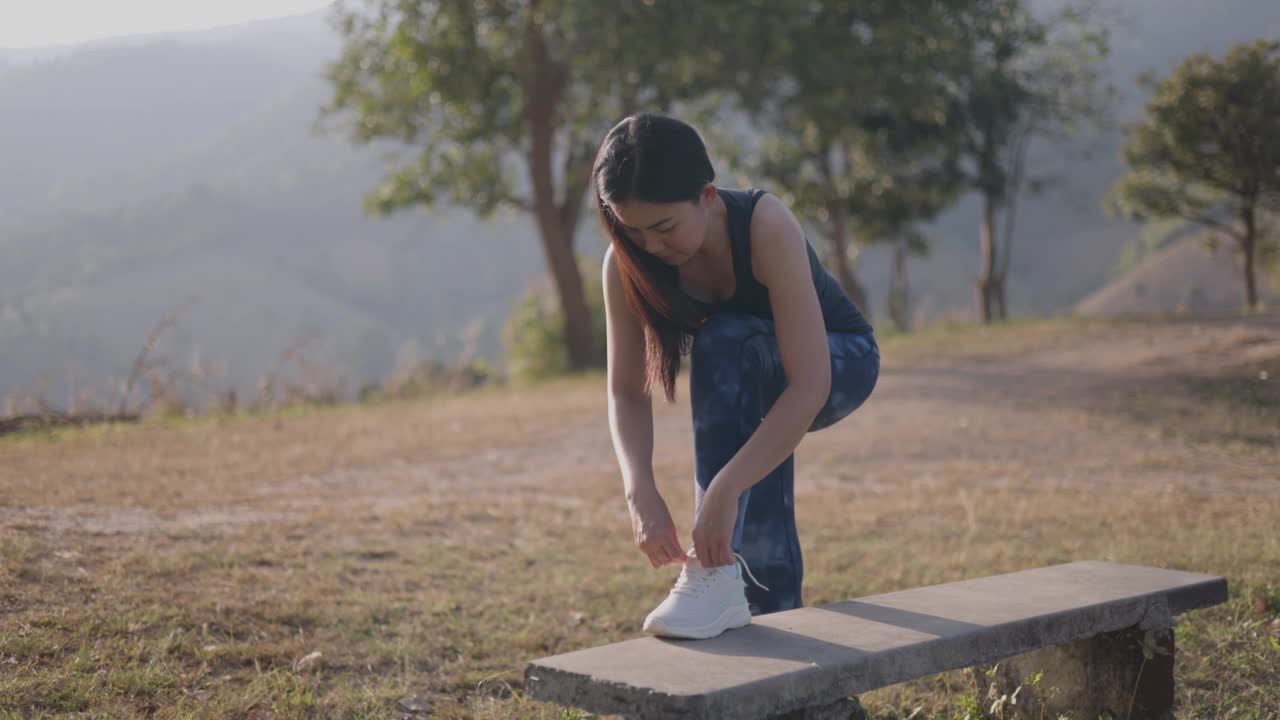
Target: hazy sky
31 23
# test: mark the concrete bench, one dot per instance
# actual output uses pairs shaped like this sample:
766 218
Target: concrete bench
1083 624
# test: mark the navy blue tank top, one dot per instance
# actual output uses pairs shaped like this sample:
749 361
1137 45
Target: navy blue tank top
839 313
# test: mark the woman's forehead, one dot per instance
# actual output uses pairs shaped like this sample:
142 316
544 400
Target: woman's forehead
640 214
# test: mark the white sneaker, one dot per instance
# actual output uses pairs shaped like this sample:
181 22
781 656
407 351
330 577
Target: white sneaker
704 602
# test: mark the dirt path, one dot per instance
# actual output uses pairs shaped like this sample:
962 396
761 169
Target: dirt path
1035 417
1050 415
1043 416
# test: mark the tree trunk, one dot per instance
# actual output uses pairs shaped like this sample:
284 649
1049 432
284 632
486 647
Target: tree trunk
899 298
1248 243
987 280
544 83
999 306
840 258
1021 142
558 249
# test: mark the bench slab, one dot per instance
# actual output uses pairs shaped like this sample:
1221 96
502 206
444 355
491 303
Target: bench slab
809 656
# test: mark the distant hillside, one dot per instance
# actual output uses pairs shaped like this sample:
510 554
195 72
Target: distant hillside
263 272
1183 277
186 166
143 170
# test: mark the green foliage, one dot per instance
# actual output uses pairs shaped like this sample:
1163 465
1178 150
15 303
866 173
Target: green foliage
969 707
877 116
468 86
1025 76
535 330
503 103
1209 142
440 76
855 128
429 377
1207 150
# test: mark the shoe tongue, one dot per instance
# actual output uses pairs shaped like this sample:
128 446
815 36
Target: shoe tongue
696 573
695 565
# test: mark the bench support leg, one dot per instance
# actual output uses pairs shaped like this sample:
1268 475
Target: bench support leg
1099 676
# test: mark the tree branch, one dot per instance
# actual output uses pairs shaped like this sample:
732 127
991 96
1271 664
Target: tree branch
519 202
1210 222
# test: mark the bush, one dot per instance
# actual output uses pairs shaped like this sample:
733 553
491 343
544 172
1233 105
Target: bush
429 377
534 335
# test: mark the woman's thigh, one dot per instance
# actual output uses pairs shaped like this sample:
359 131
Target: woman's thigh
736 351
855 368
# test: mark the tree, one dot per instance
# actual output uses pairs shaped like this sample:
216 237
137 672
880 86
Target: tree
892 216
909 243
1024 78
534 331
858 189
849 107
1207 151
481 87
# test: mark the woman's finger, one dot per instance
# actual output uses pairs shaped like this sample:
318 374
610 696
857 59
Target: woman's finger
721 556
674 550
663 555
670 551
655 557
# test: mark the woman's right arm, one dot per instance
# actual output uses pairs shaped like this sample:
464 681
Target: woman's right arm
631 424
630 407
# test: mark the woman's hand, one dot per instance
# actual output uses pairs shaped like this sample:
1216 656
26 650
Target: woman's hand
655 533
713 528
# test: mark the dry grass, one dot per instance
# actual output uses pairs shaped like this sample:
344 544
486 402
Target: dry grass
190 568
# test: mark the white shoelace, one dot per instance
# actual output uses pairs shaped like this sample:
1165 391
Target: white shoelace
692 582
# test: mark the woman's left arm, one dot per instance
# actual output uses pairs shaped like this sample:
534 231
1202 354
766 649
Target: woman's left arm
780 258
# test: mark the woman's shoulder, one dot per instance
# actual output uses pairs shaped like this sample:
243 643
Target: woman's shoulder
771 216
775 234
747 197
609 272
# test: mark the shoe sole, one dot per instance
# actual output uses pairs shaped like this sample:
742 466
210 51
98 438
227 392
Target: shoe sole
734 617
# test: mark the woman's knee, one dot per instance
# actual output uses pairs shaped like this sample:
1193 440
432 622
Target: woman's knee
723 336
735 372
854 377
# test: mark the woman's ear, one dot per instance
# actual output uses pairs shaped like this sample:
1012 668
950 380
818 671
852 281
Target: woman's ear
708 196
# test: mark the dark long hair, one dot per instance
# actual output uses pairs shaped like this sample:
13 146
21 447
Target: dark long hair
656 159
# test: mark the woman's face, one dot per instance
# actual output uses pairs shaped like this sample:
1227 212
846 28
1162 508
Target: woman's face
672 232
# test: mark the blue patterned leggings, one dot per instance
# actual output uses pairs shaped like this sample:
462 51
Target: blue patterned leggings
735 376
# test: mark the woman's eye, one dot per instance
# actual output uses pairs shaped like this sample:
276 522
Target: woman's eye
667 231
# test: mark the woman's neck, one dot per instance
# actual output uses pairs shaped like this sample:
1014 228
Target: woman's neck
716 244
709 271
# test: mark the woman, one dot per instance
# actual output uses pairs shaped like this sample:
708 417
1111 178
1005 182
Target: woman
776 349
